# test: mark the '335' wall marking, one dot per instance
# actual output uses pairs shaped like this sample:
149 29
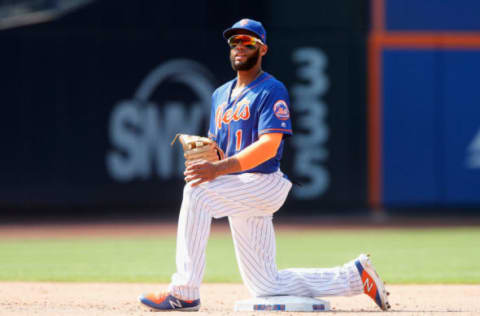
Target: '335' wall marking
311 125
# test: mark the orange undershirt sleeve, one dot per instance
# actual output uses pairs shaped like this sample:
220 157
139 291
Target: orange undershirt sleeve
260 151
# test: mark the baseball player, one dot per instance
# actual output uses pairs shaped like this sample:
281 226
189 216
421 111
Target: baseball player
250 119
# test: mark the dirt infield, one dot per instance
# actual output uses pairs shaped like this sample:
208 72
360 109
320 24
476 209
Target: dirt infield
23 298
218 299
146 228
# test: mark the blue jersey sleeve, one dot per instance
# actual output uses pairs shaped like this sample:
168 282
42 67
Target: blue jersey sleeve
275 112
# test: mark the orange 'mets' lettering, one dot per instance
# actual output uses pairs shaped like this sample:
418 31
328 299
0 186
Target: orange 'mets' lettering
227 116
218 115
242 112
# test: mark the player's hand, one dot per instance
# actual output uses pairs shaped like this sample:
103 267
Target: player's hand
200 171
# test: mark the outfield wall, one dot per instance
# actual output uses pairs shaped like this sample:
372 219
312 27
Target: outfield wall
424 104
384 101
92 100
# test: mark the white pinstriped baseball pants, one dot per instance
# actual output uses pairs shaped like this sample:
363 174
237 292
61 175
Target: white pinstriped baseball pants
249 200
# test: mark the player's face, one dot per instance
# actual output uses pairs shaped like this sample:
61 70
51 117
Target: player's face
244 51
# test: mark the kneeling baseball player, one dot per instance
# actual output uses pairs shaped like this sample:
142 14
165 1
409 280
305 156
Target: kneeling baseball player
236 173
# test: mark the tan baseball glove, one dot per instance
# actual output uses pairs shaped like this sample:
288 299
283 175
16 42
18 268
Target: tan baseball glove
199 148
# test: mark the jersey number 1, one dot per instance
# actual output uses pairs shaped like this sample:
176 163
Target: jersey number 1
238 135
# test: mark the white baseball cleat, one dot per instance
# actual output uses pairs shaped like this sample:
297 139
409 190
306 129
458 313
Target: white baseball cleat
373 286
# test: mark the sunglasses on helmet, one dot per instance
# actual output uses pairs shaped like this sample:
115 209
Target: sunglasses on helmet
246 40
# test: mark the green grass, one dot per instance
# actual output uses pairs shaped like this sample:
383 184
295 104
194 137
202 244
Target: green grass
401 256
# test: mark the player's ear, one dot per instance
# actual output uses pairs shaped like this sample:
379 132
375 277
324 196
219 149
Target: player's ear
263 49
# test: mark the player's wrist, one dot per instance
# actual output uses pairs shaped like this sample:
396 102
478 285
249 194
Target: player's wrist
226 166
